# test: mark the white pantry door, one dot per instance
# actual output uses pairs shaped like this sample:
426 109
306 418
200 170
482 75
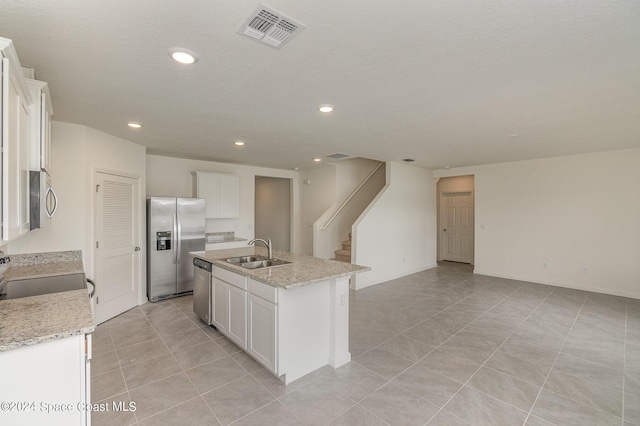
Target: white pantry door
457 227
117 249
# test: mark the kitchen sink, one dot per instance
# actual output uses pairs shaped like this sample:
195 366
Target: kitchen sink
255 262
244 259
264 263
44 285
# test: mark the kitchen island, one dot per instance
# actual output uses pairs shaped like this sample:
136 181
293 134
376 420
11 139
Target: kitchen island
291 318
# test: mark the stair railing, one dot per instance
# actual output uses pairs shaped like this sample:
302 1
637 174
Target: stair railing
355 191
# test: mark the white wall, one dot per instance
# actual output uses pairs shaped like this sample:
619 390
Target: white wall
317 194
77 153
171 177
396 235
572 212
273 211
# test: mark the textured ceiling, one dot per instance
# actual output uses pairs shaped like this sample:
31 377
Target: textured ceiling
446 82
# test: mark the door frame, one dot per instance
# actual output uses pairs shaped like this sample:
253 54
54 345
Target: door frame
142 228
291 205
441 215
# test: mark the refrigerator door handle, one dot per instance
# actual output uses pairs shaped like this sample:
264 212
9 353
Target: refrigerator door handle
179 240
174 234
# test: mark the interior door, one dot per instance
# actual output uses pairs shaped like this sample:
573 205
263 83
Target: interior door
117 252
457 227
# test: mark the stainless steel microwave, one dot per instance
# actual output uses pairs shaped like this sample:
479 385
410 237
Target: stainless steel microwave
43 200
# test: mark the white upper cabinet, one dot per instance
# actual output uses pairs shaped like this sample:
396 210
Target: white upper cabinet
16 102
221 193
40 132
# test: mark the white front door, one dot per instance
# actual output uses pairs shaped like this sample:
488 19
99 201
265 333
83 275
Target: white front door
457 227
117 250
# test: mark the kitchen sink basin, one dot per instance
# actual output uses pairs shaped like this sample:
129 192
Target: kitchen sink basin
255 262
264 263
44 285
244 259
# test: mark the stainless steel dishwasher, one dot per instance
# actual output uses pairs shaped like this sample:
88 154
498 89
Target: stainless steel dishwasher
202 300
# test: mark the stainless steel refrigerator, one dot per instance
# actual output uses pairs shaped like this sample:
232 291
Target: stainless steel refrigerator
175 226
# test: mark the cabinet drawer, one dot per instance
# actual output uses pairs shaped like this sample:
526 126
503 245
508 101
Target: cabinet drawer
263 290
230 277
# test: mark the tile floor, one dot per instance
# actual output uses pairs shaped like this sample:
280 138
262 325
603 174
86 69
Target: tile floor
441 347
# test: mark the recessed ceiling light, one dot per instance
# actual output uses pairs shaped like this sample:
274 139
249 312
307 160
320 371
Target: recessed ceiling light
514 135
296 168
134 125
325 108
183 56
447 167
317 160
239 143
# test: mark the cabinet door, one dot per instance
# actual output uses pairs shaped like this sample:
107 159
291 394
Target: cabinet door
45 133
237 330
209 189
15 156
262 338
220 311
229 203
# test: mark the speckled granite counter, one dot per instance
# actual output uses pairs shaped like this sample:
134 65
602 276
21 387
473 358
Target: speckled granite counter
32 320
303 270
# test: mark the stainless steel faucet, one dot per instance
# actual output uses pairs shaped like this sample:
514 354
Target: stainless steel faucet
266 243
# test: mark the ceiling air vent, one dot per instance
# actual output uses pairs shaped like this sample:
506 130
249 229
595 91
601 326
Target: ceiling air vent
338 155
408 160
270 27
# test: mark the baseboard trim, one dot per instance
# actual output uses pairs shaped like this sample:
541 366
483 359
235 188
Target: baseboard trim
557 284
393 277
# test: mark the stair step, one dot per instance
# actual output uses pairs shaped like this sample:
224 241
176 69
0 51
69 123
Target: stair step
342 258
346 243
343 252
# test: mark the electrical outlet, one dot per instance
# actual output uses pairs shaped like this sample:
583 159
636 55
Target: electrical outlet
585 270
544 265
343 298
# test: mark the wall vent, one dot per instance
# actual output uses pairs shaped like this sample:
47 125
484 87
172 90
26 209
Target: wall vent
338 155
270 27
408 160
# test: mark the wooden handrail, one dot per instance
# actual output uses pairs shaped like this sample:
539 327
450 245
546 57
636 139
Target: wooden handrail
333 216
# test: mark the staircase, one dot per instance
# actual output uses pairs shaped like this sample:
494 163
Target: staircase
344 254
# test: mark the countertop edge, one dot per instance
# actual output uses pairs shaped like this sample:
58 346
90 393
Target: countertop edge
47 338
251 273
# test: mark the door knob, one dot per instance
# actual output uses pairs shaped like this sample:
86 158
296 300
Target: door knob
137 249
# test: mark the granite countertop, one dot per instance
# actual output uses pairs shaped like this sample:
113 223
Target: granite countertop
303 269
36 319
37 270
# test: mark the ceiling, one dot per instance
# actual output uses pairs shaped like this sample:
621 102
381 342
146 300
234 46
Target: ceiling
444 82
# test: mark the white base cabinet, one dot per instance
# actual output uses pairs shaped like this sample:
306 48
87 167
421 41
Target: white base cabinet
291 332
47 383
230 305
262 337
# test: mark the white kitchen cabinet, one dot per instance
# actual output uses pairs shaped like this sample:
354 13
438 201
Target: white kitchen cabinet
51 380
237 302
220 310
262 338
40 131
230 305
15 128
221 193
